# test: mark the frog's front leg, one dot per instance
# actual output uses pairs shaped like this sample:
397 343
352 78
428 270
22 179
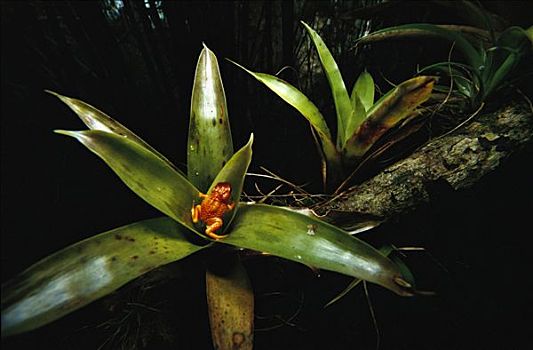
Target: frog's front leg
195 212
213 224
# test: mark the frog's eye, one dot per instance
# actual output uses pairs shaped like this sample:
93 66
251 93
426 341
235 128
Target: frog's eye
227 193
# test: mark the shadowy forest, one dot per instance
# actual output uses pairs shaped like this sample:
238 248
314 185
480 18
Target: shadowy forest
135 60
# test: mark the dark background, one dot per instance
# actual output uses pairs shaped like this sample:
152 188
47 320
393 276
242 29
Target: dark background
135 61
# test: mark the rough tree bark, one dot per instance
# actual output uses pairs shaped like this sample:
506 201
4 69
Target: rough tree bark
460 159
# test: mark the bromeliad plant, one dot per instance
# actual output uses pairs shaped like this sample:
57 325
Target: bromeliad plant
360 120
490 59
88 270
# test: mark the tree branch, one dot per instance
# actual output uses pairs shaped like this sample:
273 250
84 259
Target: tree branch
460 159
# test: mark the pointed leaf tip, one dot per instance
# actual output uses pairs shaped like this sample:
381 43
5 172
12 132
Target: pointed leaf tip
51 92
70 133
305 25
95 119
66 100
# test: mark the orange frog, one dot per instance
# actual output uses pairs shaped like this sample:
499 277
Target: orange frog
214 205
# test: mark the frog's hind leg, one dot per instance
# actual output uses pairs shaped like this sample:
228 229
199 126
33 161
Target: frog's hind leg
213 224
195 212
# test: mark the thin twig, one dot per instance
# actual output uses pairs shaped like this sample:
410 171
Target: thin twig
464 122
373 315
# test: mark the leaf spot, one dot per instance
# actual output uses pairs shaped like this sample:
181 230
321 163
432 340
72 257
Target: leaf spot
237 339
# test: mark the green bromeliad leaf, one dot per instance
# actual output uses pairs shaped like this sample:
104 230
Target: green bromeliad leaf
88 270
230 297
144 173
358 117
473 56
295 98
209 143
338 88
309 241
234 172
501 60
392 108
386 250
364 88
98 120
362 99
302 104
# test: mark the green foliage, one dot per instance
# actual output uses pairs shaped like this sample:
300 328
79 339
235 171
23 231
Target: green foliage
83 272
86 271
360 121
209 144
487 68
209 148
388 251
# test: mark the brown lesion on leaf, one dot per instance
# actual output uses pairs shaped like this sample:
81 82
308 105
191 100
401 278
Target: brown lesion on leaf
369 132
238 339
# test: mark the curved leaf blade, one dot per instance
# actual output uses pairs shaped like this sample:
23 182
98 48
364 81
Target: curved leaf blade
295 98
473 56
392 108
145 174
98 120
234 172
338 88
88 270
209 143
302 104
300 238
